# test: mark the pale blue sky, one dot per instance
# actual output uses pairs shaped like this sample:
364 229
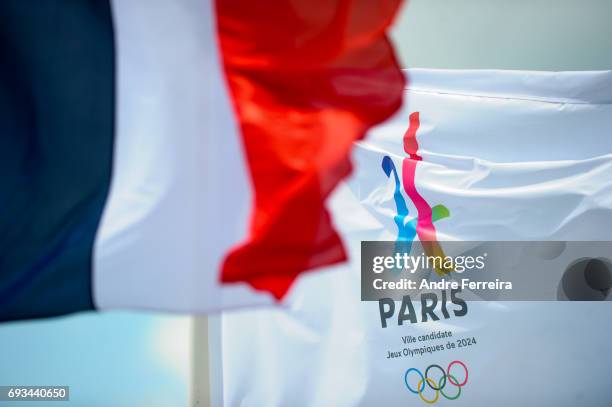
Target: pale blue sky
554 35
107 359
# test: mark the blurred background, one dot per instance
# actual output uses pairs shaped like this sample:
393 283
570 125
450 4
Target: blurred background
129 359
549 35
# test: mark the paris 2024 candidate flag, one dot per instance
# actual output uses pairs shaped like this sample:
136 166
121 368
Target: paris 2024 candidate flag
471 156
177 154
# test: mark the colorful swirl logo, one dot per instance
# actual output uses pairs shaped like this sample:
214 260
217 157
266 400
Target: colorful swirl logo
421 225
427 381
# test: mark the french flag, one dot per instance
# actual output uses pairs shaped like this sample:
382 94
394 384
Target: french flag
177 155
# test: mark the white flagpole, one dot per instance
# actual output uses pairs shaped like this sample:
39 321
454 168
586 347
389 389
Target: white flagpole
206 369
200 375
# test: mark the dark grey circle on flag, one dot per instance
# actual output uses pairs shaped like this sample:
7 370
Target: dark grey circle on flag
586 279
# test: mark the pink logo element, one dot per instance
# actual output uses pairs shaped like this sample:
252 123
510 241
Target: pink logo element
426 215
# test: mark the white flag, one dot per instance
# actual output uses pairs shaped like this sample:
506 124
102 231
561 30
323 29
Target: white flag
472 155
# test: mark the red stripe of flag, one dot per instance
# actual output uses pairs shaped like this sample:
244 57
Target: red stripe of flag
307 78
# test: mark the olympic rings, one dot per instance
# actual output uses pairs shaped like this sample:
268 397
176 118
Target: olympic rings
412 369
438 387
443 377
456 396
451 379
429 382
